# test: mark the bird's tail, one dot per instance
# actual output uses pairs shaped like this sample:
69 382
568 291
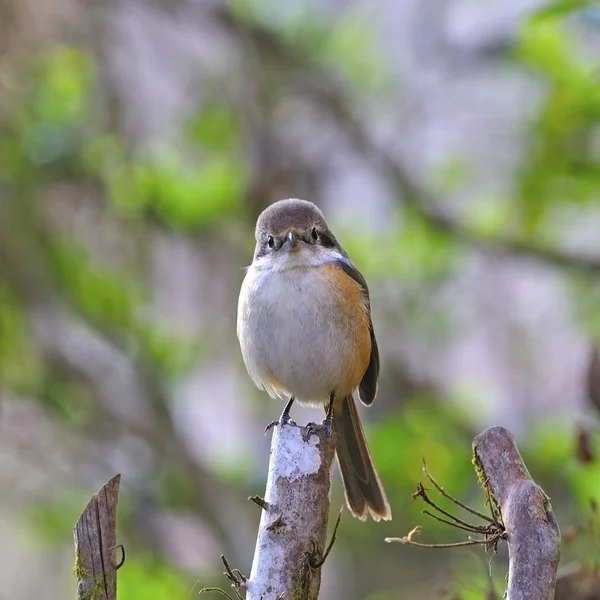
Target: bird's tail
364 493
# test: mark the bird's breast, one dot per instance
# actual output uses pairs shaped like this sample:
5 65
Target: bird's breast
304 331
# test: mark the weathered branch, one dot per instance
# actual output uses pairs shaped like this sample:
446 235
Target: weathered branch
531 528
95 536
293 526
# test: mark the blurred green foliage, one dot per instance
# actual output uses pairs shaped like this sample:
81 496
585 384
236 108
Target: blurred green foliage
348 46
561 166
149 580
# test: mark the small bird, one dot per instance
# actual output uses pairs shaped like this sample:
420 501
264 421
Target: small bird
305 331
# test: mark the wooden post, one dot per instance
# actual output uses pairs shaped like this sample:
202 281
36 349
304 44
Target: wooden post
95 536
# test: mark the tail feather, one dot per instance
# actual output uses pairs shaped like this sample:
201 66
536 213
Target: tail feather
364 493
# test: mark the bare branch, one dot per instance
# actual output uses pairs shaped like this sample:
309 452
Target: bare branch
321 562
468 542
290 548
409 541
444 493
95 536
421 493
531 528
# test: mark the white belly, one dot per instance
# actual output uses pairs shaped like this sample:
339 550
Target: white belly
293 338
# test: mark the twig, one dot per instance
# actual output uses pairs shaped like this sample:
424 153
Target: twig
238 580
493 532
234 575
214 589
420 493
320 563
259 501
451 523
468 542
443 492
122 561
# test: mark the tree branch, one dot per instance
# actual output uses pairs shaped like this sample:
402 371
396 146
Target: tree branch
95 537
293 526
329 94
531 528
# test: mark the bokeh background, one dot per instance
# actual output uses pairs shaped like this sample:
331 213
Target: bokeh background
454 148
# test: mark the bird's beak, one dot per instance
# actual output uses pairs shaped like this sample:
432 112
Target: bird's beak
290 240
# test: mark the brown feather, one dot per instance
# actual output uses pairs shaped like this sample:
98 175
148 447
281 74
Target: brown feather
363 489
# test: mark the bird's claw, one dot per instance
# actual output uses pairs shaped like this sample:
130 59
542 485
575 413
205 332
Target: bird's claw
314 428
282 421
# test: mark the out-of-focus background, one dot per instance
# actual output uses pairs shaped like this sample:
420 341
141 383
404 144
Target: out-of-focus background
454 148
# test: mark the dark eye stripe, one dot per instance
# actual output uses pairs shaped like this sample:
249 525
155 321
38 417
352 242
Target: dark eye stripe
326 241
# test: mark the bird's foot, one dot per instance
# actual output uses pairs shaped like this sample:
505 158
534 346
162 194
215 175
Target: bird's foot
314 428
285 419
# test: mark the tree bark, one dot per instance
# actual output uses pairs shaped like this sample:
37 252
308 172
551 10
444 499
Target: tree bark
531 528
95 536
293 525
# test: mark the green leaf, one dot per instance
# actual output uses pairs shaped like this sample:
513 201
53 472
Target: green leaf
215 127
145 579
169 352
489 216
66 399
452 175
428 430
19 365
106 296
585 300
548 46
413 250
176 489
188 198
561 8
351 44
63 87
50 521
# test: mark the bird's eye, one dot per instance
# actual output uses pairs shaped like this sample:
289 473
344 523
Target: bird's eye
314 234
271 241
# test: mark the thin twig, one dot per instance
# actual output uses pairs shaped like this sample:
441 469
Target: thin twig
483 529
259 501
233 575
492 532
421 493
122 561
443 492
470 542
320 563
214 589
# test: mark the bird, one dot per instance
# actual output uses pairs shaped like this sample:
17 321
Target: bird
306 335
